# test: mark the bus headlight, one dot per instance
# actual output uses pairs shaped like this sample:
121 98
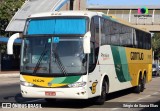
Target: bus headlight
24 83
77 84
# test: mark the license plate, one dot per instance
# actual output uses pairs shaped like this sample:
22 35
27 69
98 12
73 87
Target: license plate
50 93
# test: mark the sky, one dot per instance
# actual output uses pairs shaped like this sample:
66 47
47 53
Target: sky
124 2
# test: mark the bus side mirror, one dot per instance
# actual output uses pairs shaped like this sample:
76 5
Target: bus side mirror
11 41
86 43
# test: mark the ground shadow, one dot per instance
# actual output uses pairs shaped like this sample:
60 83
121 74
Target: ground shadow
72 103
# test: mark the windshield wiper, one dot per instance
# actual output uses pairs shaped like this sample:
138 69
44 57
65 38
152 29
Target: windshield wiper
59 63
40 59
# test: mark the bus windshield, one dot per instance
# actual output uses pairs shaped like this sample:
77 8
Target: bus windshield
53 55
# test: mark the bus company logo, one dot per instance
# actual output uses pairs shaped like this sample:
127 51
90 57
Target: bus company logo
6 105
38 80
143 10
137 56
105 56
143 13
93 87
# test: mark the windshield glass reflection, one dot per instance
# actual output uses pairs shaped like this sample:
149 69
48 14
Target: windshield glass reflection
65 56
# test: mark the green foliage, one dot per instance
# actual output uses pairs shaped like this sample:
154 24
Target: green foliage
3 48
7 10
156 45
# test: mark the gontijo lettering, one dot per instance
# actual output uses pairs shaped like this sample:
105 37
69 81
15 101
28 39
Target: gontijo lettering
137 56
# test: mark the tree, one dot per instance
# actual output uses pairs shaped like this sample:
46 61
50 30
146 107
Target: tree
7 10
156 45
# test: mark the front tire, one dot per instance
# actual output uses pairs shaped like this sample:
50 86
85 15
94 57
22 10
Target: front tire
102 98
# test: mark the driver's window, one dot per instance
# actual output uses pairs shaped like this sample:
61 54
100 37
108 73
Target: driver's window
92 61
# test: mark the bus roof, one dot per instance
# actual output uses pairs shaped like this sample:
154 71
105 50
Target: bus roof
64 13
89 14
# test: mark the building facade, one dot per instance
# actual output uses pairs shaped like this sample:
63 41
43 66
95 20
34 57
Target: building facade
145 17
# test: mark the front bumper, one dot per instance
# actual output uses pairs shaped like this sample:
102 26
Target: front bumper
61 93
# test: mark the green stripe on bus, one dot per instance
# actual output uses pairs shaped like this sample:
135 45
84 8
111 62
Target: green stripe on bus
71 79
121 64
65 80
58 80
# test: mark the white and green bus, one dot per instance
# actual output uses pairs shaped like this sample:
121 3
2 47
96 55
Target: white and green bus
81 55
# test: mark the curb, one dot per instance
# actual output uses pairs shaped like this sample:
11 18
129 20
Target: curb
10 75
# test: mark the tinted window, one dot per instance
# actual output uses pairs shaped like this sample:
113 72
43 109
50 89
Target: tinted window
143 40
114 33
95 30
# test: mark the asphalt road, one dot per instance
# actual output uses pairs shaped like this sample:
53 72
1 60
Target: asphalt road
149 100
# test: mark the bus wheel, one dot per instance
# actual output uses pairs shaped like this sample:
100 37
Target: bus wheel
101 99
50 100
143 83
138 88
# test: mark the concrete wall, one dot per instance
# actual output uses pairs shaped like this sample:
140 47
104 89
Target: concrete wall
66 6
151 28
79 5
151 23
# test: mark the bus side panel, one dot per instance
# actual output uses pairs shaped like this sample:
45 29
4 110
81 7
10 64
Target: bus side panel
149 76
139 61
121 63
112 62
